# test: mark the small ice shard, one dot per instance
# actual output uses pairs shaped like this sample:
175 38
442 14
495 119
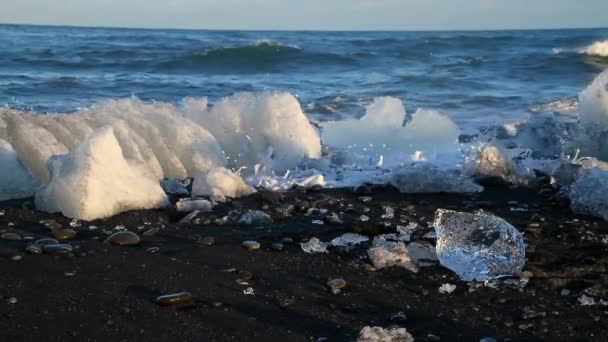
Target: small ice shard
385 254
249 217
312 181
379 334
492 163
314 245
478 246
174 187
424 178
188 205
348 240
15 180
220 184
96 181
422 255
447 288
589 194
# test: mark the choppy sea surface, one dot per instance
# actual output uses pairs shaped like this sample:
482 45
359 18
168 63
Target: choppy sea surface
476 78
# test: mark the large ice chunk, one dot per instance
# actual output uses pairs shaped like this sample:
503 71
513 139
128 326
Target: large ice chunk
492 163
589 194
267 127
220 184
593 117
385 133
15 180
478 246
424 178
385 254
96 181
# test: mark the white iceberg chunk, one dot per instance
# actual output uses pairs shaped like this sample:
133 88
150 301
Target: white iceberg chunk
267 127
593 117
424 178
379 334
15 179
492 162
220 184
384 134
96 181
589 194
478 246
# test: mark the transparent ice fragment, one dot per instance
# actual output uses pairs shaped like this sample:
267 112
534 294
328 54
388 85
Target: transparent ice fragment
348 239
314 245
424 178
478 246
379 334
385 254
589 194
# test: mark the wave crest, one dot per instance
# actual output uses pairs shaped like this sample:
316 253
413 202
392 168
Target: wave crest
599 49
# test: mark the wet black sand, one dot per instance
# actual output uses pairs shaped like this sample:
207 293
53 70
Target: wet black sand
103 292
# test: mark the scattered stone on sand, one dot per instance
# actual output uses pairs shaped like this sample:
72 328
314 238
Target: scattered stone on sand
189 217
379 334
206 241
124 238
64 234
314 245
334 220
287 241
12 300
58 249
151 232
10 236
422 254
385 254
17 257
174 299
478 246
153 250
33 249
46 241
251 245
336 285
278 246
398 317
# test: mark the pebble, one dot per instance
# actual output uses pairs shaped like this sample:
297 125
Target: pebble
64 234
151 232
174 298
10 236
12 300
124 238
46 241
398 317
251 245
207 241
58 249
33 249
336 285
277 246
217 305
153 250
69 273
17 257
488 339
287 241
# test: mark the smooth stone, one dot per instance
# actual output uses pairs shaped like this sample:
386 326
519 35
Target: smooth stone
287 240
398 317
10 236
46 241
59 249
277 246
124 238
217 305
69 273
64 234
251 245
12 300
33 249
52 224
207 241
151 232
174 298
153 250
17 257
336 285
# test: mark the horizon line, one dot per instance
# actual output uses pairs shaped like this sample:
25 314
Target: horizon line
297 30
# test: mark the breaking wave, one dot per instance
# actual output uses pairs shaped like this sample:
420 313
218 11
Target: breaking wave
598 49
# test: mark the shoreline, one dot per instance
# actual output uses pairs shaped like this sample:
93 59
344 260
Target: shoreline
107 292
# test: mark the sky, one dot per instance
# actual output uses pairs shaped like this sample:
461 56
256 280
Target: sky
311 14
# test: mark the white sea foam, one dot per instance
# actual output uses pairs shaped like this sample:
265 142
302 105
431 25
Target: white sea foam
599 48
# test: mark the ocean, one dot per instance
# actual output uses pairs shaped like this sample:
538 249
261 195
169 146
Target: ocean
477 78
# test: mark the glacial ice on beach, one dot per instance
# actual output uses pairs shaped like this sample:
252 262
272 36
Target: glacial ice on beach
220 184
593 118
478 246
589 194
96 181
268 128
425 178
379 334
385 133
15 180
492 162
